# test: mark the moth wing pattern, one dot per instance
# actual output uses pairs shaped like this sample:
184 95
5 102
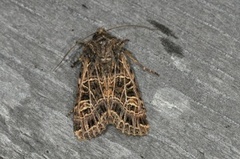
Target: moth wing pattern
90 111
107 90
127 111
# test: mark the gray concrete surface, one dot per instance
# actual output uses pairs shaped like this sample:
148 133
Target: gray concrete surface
193 106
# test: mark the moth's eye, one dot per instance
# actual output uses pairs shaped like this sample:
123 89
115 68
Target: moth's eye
106 59
102 42
101 30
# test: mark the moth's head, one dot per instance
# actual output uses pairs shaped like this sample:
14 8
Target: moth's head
101 31
103 44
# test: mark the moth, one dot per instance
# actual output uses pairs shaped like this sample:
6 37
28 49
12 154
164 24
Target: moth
108 92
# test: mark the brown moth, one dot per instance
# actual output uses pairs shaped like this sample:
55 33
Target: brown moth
107 89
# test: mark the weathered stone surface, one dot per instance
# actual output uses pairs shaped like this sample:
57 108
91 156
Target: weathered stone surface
193 106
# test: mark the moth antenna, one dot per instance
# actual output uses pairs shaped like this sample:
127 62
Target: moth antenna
129 25
77 42
54 69
116 27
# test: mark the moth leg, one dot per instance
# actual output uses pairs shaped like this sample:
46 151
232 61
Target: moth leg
77 62
69 113
129 54
80 42
123 42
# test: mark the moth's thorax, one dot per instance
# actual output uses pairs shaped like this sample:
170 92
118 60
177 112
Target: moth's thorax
103 45
105 51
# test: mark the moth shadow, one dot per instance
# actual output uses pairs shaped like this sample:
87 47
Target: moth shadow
171 47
